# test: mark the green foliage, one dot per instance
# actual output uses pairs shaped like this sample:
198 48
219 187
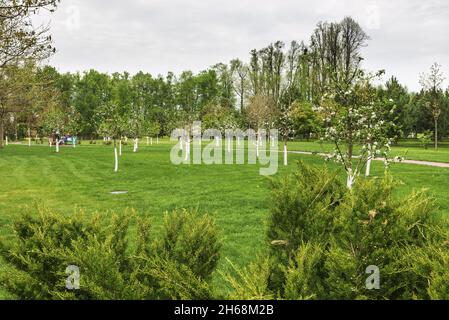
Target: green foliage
302 211
305 120
324 237
250 283
177 266
425 138
192 240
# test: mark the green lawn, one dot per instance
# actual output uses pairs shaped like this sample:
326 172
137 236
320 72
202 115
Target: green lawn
410 149
236 196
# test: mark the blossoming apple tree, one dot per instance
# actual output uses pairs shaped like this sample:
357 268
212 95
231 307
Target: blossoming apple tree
355 117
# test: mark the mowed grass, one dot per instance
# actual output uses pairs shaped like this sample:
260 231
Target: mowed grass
409 149
237 196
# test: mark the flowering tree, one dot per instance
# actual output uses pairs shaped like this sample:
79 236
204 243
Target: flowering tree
112 122
54 122
286 128
354 116
135 126
73 125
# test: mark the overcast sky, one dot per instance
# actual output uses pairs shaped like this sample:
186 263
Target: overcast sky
158 36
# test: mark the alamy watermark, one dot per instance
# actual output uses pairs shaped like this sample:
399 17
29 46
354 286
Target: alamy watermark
190 149
73 280
373 281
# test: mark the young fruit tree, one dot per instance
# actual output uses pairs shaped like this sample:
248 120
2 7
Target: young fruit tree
286 128
135 126
260 113
431 84
353 114
112 122
74 124
54 121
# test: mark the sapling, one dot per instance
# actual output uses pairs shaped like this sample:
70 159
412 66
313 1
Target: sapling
112 121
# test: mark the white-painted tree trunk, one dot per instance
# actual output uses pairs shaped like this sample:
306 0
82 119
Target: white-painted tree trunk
136 145
57 145
151 141
148 141
29 141
217 141
350 179
229 145
6 140
157 141
116 159
368 163
368 167
285 155
120 147
257 150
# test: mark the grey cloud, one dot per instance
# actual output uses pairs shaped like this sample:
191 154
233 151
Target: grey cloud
158 36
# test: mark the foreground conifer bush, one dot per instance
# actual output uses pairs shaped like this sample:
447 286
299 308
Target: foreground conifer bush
324 239
178 265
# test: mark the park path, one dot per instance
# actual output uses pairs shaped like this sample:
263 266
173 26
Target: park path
417 162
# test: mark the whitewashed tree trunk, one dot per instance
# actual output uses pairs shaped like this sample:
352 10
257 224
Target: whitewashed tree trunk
120 147
157 141
116 159
57 145
350 179
148 141
29 141
285 155
151 141
368 167
6 140
368 163
229 145
257 150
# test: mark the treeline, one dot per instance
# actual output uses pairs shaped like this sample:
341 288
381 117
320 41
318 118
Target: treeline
279 87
